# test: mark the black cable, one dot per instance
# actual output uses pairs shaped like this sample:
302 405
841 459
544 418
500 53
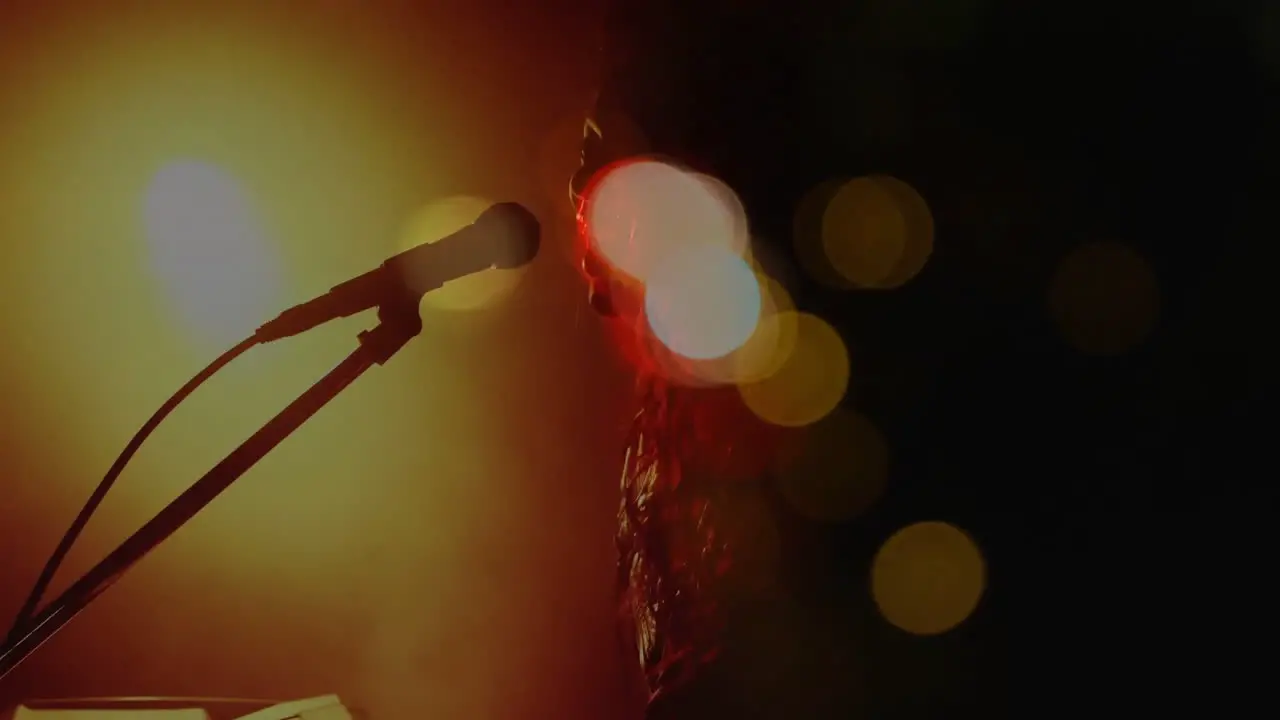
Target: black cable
376 346
29 607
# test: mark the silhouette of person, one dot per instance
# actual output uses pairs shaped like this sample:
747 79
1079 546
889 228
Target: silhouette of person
695 455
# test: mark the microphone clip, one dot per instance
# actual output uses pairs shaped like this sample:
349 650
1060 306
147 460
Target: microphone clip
398 323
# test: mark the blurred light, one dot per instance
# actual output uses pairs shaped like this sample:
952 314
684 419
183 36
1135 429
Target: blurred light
729 210
760 356
1104 298
928 578
918 243
477 291
877 232
640 212
810 382
208 249
807 236
774 339
840 469
703 301
864 233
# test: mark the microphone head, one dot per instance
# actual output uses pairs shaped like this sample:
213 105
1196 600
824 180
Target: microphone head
513 233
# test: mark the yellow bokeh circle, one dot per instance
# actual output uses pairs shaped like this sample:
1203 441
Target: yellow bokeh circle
873 232
810 382
928 578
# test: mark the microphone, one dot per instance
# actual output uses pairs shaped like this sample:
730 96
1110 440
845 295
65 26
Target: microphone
505 236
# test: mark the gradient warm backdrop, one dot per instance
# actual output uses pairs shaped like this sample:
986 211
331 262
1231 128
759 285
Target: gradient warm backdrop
437 543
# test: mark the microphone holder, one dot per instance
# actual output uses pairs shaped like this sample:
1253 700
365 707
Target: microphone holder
398 324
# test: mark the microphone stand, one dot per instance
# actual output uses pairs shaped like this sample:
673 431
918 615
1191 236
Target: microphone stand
398 324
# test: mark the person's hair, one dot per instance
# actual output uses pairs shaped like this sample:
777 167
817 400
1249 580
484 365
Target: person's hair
670 553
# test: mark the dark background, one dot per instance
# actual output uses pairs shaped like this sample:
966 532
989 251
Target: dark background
1119 496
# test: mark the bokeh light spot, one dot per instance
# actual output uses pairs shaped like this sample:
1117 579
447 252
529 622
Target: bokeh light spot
928 578
729 219
209 251
877 232
641 212
807 236
760 356
838 469
810 382
478 291
774 339
918 242
703 301
1104 298
863 232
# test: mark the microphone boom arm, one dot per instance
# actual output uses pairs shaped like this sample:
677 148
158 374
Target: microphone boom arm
506 236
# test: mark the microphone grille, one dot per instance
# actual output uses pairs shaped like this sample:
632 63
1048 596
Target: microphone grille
512 231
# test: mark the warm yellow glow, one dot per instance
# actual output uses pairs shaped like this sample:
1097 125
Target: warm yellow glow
811 381
1104 298
440 219
335 122
170 175
840 468
928 578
